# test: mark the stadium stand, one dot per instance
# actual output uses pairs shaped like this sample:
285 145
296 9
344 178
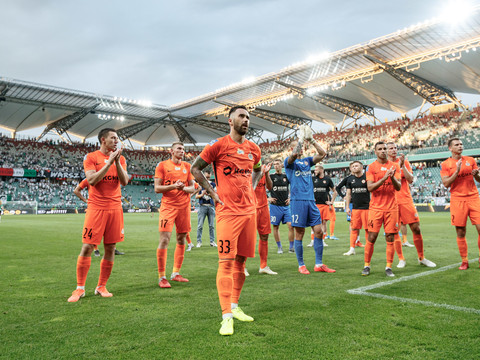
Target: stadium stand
52 169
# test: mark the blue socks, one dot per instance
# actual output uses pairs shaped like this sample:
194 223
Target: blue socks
299 252
318 247
279 244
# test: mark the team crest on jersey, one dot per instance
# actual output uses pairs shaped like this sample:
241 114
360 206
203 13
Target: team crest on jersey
363 181
324 182
467 163
250 156
284 179
240 152
383 168
184 171
305 162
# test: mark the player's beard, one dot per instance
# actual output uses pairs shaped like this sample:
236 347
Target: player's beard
239 129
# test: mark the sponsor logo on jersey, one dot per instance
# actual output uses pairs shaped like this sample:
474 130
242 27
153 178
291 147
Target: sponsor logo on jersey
228 171
178 168
110 178
383 168
303 173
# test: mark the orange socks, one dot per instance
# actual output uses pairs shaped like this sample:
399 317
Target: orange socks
263 252
404 238
398 246
332 228
83 265
238 280
479 245
462 248
418 242
105 271
225 284
390 253
161 261
178 257
189 241
368 253
353 237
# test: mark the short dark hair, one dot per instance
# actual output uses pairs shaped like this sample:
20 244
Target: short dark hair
452 140
379 143
177 143
235 108
356 161
104 133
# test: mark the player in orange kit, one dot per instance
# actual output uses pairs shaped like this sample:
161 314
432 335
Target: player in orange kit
174 180
458 173
237 166
407 214
383 180
263 219
105 170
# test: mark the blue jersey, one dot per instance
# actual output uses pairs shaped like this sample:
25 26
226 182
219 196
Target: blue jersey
300 178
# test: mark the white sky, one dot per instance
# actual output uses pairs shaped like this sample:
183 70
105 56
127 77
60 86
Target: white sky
171 51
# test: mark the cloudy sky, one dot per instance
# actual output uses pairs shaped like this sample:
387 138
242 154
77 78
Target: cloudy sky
171 51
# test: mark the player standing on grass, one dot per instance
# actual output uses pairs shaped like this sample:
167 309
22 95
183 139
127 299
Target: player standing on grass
263 219
105 170
174 180
238 168
358 196
407 214
280 205
302 204
458 173
383 180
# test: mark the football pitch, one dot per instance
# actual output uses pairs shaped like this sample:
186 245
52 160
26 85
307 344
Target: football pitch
420 314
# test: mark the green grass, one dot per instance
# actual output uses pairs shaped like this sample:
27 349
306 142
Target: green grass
296 316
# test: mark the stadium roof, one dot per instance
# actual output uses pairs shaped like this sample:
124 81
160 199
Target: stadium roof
425 63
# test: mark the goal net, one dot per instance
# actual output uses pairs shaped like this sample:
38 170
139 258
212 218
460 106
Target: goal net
19 207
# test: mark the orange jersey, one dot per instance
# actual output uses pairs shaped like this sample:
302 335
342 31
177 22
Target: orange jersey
404 196
233 165
463 188
170 173
261 193
384 198
106 194
84 184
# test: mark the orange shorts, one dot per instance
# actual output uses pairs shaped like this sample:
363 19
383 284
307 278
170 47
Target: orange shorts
170 215
324 212
236 235
407 214
106 224
333 213
359 219
389 219
460 210
263 220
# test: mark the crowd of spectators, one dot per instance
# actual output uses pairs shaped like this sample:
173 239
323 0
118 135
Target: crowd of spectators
63 161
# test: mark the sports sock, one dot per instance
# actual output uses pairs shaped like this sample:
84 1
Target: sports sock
178 257
418 242
299 252
390 253
279 244
189 241
462 248
332 228
83 265
263 252
292 244
366 236
312 235
161 261
404 238
397 243
478 245
105 271
318 247
238 280
368 253
353 237
225 285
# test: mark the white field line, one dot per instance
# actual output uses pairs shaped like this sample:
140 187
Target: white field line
363 290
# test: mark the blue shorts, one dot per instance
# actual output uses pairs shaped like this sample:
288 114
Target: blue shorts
351 208
280 214
305 213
